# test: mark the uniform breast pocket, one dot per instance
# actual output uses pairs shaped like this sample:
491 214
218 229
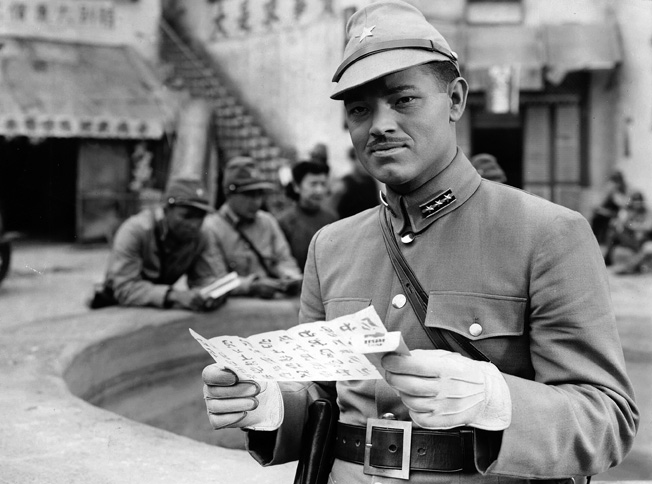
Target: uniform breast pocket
476 316
342 306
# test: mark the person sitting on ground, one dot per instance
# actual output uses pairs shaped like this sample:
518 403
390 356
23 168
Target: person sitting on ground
251 240
356 191
615 199
304 218
632 229
488 168
154 248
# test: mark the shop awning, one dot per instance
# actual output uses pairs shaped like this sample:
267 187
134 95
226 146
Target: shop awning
499 46
580 47
63 90
538 52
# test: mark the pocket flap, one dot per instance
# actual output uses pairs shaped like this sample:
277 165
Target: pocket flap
476 316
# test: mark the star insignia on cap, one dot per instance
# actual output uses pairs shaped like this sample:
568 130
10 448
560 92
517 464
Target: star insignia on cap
366 32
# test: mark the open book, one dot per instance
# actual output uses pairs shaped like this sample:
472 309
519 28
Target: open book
221 286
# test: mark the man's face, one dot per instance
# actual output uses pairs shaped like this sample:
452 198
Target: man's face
312 190
184 222
401 127
246 204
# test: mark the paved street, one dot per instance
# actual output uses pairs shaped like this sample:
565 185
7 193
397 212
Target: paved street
53 280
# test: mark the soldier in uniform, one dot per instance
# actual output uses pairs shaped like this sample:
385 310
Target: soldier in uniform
153 249
519 277
250 239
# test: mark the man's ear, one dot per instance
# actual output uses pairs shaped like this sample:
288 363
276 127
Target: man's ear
458 90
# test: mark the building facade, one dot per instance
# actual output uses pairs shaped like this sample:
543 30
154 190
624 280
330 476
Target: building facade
84 117
560 89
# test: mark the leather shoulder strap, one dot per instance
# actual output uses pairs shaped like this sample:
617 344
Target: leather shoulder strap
251 245
418 297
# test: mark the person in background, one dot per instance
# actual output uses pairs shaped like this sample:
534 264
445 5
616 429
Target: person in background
488 168
154 248
250 239
307 215
615 198
632 229
515 371
354 192
319 154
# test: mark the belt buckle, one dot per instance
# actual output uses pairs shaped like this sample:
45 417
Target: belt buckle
404 471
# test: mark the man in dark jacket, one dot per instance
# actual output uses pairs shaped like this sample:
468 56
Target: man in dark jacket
307 215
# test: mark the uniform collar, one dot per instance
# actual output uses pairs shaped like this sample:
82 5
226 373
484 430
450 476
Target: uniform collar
417 210
233 218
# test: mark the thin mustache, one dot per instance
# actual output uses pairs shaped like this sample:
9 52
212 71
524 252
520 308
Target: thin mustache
383 141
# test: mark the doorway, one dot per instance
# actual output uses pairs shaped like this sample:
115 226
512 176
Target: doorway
38 187
502 137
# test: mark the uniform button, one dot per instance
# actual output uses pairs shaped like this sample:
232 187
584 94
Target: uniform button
399 301
475 329
407 238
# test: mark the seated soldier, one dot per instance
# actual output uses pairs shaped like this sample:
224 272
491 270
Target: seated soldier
154 248
632 230
251 240
304 218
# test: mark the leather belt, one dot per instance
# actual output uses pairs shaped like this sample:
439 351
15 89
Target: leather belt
392 448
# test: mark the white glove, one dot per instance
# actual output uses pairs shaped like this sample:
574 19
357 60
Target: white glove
231 402
443 390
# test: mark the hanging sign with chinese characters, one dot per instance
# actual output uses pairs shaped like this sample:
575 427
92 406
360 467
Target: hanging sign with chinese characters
56 17
237 18
324 350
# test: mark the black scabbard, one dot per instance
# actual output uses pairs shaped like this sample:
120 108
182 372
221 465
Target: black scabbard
317 443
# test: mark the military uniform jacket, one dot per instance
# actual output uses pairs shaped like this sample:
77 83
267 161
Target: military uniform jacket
263 231
135 271
530 273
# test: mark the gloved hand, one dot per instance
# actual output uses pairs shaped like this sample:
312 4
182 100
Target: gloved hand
443 390
231 402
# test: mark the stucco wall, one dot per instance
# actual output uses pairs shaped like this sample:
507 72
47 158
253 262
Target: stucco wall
282 68
634 116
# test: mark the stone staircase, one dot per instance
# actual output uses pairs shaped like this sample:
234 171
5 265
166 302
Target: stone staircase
237 130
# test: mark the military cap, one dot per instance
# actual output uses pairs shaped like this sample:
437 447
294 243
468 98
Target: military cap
487 166
241 174
189 193
385 37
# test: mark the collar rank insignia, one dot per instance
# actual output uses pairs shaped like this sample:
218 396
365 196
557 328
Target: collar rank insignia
437 204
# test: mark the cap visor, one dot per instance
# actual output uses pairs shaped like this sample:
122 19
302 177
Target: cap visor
263 185
380 64
199 205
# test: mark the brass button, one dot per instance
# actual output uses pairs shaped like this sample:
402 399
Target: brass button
399 301
475 329
407 238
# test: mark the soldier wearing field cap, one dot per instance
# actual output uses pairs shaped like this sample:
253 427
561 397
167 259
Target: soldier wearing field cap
154 248
250 239
516 371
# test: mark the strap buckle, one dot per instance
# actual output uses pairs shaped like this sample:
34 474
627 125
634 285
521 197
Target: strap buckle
404 471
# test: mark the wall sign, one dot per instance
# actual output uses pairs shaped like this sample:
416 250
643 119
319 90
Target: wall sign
39 17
